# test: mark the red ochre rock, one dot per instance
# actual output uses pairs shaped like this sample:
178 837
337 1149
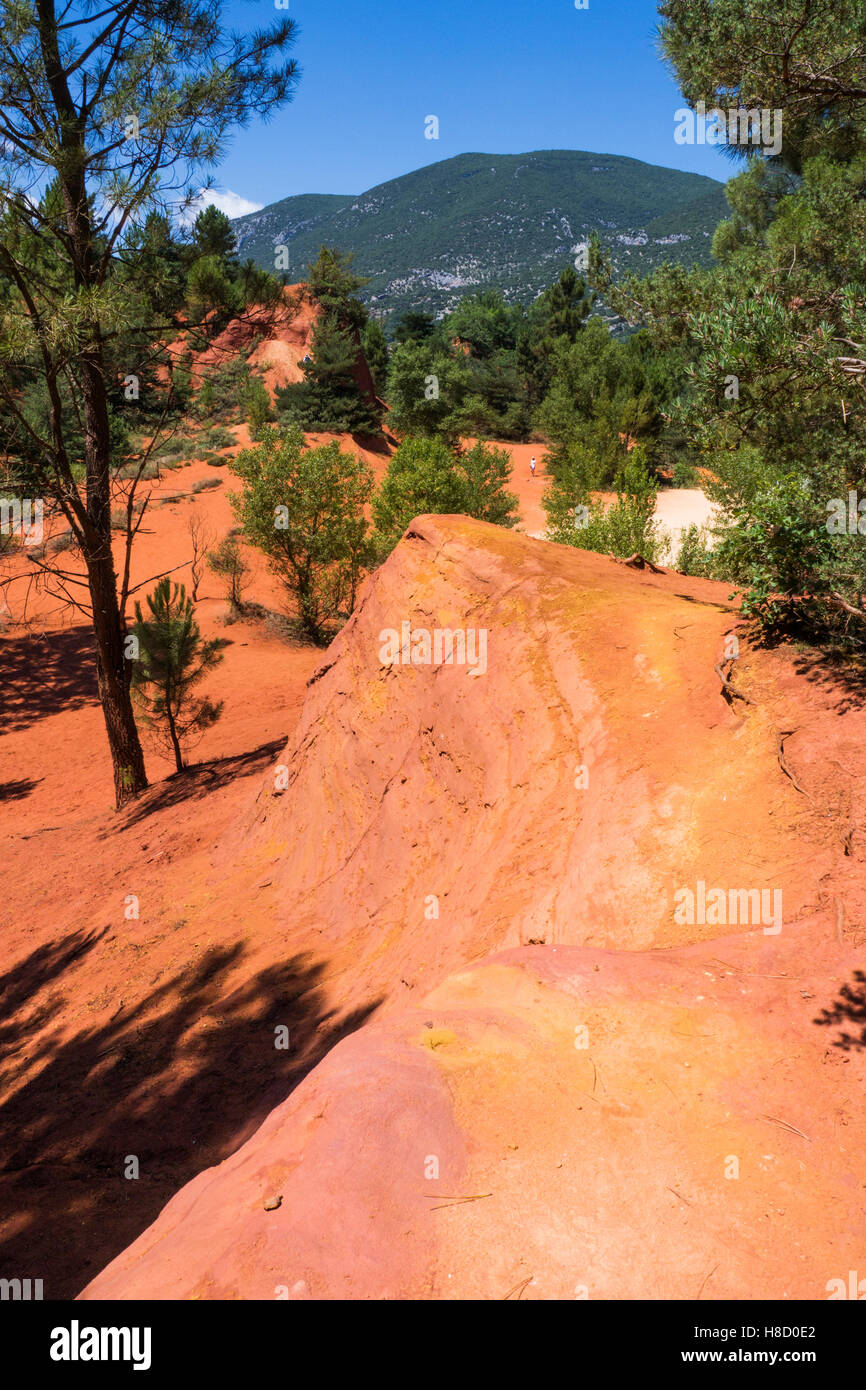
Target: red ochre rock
642 1107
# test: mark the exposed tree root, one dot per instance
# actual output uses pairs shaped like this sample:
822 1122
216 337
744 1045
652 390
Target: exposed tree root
638 562
780 753
730 690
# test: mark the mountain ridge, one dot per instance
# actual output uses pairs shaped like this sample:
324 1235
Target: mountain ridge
427 237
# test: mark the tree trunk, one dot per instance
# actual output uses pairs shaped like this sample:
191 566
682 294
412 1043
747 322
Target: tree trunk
175 742
113 681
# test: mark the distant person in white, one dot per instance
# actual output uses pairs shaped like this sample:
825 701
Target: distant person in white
532 467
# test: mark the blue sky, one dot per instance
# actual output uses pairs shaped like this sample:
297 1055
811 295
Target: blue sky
502 76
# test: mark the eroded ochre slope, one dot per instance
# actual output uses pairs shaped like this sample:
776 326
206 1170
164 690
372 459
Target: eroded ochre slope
565 1091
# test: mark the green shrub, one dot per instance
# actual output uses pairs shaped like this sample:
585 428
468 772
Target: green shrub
172 660
227 562
148 472
257 402
304 508
694 557
685 474
217 437
428 476
623 529
221 394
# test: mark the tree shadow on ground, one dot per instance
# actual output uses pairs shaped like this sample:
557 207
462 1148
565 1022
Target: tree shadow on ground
32 975
198 780
374 443
18 789
837 674
850 1007
180 1080
41 676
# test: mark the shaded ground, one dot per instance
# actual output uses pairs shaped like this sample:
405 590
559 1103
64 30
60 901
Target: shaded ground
178 1077
44 675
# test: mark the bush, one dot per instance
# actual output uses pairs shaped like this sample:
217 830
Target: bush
427 476
623 529
119 515
801 566
257 402
173 450
149 471
685 474
221 394
217 437
485 471
64 541
205 484
305 509
694 557
227 561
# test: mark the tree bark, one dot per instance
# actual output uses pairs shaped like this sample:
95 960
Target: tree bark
178 756
113 679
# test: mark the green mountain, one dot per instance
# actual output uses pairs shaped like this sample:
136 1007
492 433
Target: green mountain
509 221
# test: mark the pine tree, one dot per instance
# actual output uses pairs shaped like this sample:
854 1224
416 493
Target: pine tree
257 402
414 326
333 286
565 306
211 291
213 235
159 263
172 660
330 397
131 104
376 354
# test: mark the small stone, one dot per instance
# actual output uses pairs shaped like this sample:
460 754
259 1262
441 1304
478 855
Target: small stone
271 1203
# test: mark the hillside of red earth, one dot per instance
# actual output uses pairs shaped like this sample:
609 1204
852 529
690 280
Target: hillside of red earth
407 935
275 340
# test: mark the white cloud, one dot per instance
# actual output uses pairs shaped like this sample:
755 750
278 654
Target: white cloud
232 204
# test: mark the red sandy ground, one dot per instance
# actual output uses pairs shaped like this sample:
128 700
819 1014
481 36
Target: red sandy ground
154 1036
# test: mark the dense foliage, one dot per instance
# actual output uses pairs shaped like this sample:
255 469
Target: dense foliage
333 394
110 117
775 335
304 508
428 476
